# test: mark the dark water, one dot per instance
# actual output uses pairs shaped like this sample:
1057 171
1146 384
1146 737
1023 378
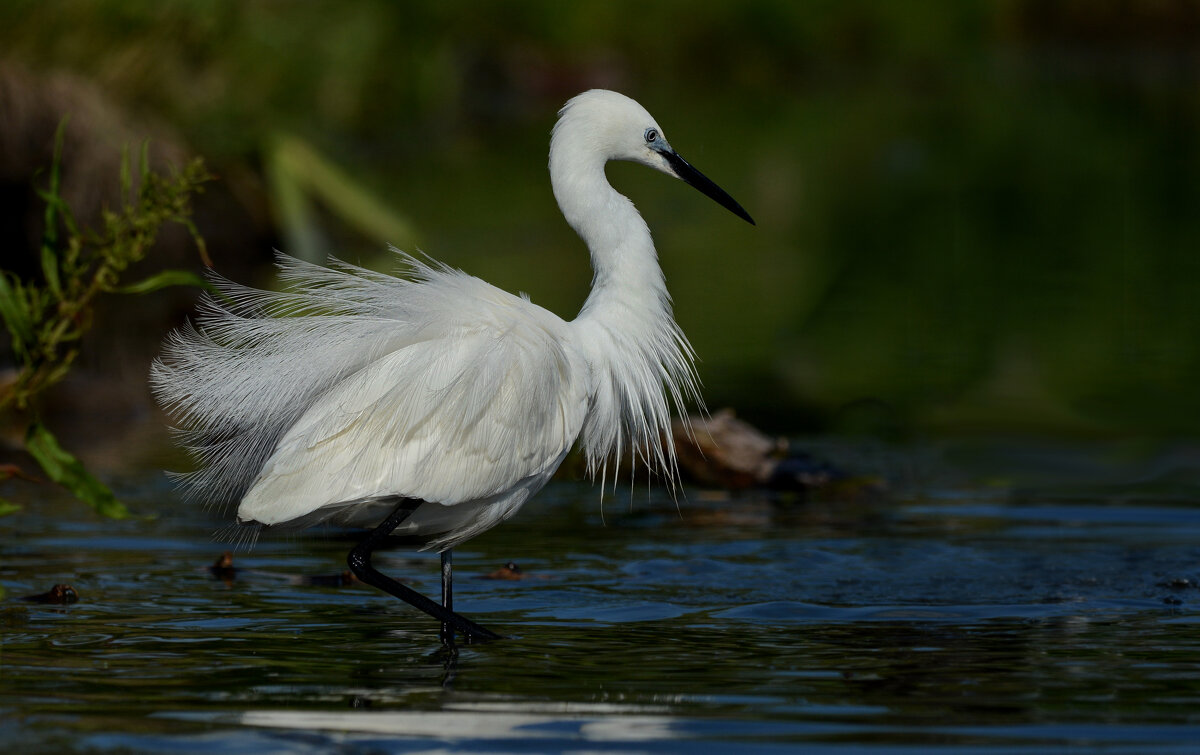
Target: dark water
952 617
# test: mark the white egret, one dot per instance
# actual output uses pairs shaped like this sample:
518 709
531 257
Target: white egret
435 405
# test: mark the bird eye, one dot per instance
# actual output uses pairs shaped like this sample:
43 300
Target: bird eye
651 135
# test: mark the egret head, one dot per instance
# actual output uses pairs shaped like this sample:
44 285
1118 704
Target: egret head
614 127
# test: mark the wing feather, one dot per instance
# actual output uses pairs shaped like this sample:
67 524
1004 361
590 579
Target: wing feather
353 385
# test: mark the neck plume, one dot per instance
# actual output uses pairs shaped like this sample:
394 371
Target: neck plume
641 362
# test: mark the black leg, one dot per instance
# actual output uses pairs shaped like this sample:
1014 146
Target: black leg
448 592
360 563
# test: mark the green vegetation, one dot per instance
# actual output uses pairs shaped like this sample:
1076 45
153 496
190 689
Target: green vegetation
975 215
47 320
296 174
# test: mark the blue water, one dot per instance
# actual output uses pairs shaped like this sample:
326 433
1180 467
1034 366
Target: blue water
942 616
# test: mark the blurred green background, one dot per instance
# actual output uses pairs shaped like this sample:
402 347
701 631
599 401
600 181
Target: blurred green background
971 215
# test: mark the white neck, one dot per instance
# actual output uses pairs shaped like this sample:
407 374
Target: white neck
627 278
626 327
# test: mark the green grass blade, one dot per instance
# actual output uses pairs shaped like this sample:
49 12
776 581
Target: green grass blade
50 233
145 161
50 271
297 172
66 470
54 205
125 178
164 279
17 317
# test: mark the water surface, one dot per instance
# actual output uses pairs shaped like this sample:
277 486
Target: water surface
955 618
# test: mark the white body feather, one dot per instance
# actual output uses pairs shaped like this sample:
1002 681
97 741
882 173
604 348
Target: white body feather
351 388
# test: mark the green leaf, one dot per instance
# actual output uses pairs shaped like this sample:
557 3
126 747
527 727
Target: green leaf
125 178
50 232
296 171
145 161
68 471
163 280
17 317
7 507
50 270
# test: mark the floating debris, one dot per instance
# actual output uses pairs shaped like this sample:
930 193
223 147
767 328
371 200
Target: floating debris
223 567
1178 583
726 452
510 571
327 580
60 594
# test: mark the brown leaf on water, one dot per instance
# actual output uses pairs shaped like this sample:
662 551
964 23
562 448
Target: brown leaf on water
60 594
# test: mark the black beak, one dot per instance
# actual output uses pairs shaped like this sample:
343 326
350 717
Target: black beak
684 170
